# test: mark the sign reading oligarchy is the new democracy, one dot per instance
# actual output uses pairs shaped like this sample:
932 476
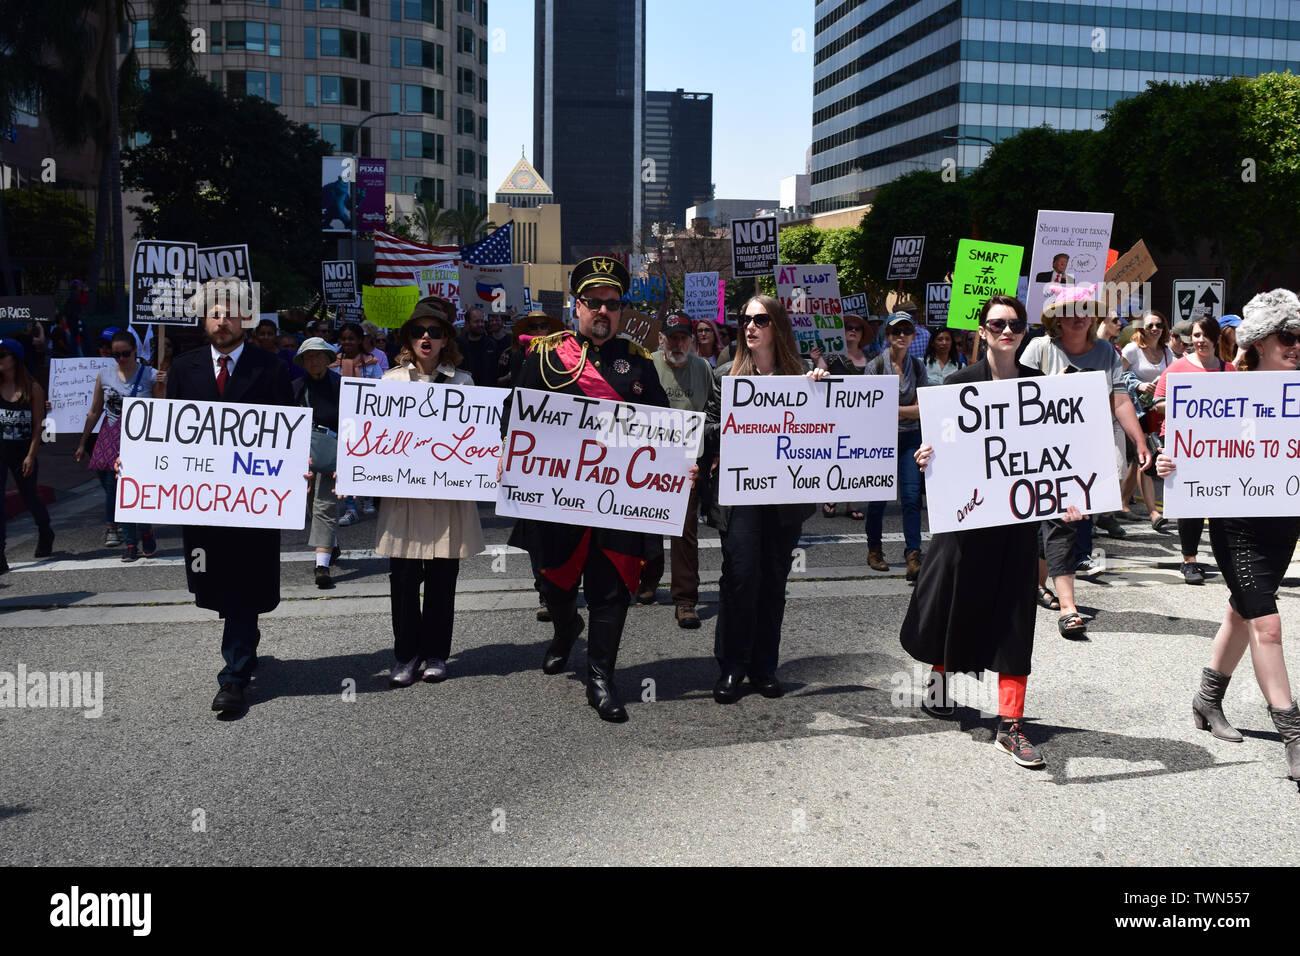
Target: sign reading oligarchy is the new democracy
811 296
418 440
213 463
1022 450
787 439
597 462
1236 442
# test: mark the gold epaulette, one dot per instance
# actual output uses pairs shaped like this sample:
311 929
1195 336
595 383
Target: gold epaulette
637 349
544 343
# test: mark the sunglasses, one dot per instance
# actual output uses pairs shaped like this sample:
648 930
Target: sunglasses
997 326
420 331
121 355
1286 339
904 330
1153 328
611 305
760 321
855 328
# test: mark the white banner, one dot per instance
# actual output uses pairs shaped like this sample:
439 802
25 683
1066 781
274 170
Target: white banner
1236 442
1022 450
787 439
591 461
417 440
811 296
72 390
213 463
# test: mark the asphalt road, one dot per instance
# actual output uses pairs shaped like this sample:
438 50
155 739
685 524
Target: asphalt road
504 765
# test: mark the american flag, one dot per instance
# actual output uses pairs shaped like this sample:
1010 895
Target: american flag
397 258
492 251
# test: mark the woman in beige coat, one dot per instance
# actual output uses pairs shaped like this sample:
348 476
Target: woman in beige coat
424 540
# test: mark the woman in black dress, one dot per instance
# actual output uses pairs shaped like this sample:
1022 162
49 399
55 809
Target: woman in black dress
973 607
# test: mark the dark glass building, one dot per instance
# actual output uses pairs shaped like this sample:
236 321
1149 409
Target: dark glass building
679 140
895 82
589 106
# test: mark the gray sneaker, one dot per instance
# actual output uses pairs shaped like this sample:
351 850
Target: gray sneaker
112 537
435 671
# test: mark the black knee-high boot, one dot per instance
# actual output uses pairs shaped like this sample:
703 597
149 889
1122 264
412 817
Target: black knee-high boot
602 654
568 625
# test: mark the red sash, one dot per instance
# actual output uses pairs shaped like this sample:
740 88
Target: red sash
591 382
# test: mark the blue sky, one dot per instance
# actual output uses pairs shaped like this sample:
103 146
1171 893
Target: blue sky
744 53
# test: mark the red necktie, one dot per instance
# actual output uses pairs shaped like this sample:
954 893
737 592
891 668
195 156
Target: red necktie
224 375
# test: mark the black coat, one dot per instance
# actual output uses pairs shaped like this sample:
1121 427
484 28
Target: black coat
239 568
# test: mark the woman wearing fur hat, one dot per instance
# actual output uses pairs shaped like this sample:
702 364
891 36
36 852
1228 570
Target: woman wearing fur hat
1253 554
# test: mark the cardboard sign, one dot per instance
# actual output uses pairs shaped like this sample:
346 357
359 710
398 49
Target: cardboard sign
787 439
811 296
599 463
983 269
905 257
337 174
753 247
223 464
642 329
418 440
164 275
1236 442
441 279
938 299
338 279
1125 276
72 392
389 306
1021 450
855 304
1069 249
1198 299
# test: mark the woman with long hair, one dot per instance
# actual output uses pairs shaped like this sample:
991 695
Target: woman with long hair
1147 356
941 357
22 406
1253 554
707 345
425 539
757 540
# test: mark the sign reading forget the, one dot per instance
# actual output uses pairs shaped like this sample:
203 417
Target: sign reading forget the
983 269
753 247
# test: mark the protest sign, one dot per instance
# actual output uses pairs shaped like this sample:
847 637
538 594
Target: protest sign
223 464
389 306
753 247
721 315
700 297
336 176
855 304
72 391
983 269
1069 249
600 463
1021 450
642 329
372 213
224 262
788 439
811 296
552 302
164 275
491 288
1125 276
1236 442
938 297
905 257
1198 299
27 308
338 278
441 279
418 440
645 289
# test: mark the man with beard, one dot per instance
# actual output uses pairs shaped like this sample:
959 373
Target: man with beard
597 363
687 380
478 349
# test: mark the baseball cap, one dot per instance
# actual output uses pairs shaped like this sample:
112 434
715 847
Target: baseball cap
677 322
895 318
1229 321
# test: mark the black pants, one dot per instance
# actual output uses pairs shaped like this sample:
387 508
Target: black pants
1189 535
601 584
239 639
757 551
12 454
423 633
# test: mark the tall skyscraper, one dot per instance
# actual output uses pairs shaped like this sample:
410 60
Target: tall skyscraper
679 140
589 106
895 85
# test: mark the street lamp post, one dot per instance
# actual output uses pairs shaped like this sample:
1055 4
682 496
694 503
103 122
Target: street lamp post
352 186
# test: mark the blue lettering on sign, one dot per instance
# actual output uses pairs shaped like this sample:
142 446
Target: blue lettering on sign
256 466
645 289
1290 401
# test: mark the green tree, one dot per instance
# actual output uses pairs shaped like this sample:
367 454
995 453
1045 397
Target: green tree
428 221
57 233
467 225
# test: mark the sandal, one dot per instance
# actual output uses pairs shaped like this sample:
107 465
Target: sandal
1160 524
1072 625
1048 600
856 515
828 511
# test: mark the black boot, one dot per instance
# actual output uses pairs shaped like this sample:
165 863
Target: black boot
602 652
44 542
568 625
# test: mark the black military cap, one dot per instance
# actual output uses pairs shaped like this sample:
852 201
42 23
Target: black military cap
599 270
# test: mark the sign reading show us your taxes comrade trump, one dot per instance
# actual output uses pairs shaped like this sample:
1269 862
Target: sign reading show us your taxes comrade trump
1069 249
983 269
811 296
1018 450
597 462
786 439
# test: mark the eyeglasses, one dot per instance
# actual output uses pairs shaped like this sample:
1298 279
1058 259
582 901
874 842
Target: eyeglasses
611 305
761 321
121 355
997 326
1153 328
1286 339
903 330
855 328
420 331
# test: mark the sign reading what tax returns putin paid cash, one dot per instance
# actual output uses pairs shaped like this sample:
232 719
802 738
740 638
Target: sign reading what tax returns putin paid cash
786 439
598 462
1022 450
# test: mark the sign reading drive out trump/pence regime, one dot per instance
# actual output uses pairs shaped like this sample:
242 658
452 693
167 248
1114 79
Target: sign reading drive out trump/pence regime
418 440
1022 450
213 463
597 462
1236 442
786 439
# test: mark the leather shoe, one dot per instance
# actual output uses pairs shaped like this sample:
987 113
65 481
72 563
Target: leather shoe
435 671
323 580
603 695
913 565
769 687
646 595
230 699
557 652
727 689
404 673
687 617
876 560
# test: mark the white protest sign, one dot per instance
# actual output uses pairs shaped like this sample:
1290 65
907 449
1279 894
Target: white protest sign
1198 299
811 296
338 279
441 279
1069 248
1236 442
787 439
1021 450
700 298
223 464
164 275
72 391
905 257
753 247
418 440
597 462
491 288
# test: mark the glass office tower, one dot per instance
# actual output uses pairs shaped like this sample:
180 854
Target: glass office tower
679 138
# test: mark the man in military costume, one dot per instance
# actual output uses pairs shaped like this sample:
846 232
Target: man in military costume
597 363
